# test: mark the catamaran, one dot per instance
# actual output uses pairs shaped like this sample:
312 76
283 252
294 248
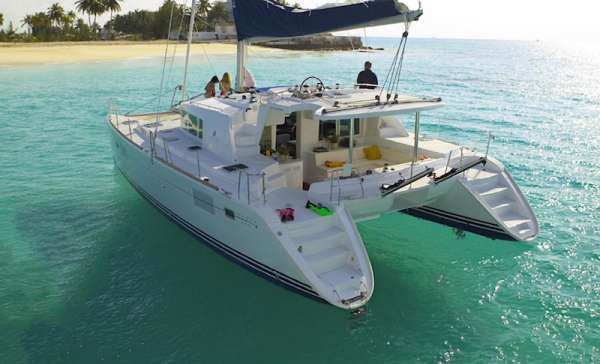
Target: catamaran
276 178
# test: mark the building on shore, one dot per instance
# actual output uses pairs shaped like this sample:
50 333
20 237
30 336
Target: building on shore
221 32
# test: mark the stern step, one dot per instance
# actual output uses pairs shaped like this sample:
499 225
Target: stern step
328 259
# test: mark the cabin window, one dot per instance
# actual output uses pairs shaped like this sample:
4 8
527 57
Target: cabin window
285 135
193 124
345 127
338 128
327 128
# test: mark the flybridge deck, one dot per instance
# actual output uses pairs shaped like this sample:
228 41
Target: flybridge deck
328 103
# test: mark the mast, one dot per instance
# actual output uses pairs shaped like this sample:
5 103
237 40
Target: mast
184 93
242 53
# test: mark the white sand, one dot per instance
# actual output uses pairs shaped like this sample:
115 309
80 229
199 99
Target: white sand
81 52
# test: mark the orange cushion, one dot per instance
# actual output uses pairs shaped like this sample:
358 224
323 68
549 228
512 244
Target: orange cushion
334 164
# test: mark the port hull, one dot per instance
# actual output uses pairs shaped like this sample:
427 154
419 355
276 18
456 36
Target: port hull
172 193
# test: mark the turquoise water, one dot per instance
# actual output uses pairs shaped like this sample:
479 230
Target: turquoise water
90 272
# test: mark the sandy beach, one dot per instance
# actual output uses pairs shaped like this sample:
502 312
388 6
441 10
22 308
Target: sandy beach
81 52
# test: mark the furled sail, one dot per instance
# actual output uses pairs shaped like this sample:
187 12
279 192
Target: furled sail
267 19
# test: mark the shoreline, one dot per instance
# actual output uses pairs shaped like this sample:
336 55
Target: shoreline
24 54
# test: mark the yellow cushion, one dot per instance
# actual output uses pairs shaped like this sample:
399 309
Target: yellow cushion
372 153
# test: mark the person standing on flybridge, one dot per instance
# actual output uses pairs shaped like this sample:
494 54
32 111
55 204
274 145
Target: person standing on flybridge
367 78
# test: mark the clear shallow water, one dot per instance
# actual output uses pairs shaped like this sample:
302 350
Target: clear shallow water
90 272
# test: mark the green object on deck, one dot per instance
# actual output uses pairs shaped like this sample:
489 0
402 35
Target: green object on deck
319 209
322 211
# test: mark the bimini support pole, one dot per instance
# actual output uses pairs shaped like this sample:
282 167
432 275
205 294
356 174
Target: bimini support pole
184 92
242 52
351 141
416 148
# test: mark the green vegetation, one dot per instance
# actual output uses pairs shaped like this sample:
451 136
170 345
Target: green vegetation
56 24
154 24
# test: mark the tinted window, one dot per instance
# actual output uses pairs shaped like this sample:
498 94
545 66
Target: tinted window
345 126
326 129
193 125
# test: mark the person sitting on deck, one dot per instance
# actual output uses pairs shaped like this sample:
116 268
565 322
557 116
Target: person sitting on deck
367 78
210 88
225 84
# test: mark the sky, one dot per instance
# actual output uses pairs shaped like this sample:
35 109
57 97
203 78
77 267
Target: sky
479 19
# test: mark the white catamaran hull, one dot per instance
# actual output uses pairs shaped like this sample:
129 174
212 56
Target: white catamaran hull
207 214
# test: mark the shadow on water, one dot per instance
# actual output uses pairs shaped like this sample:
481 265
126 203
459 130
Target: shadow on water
130 273
133 286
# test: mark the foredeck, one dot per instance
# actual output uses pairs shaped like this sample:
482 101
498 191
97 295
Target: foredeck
177 148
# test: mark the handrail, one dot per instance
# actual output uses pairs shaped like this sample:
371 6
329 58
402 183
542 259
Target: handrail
427 172
489 141
454 171
335 178
248 194
173 103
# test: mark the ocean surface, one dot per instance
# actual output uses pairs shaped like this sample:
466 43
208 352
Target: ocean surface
90 272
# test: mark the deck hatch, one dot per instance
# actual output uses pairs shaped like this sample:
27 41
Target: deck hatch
229 213
235 167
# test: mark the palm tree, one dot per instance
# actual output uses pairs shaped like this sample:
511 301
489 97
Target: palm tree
28 22
40 25
112 5
96 9
69 19
83 6
90 7
204 7
1 19
56 14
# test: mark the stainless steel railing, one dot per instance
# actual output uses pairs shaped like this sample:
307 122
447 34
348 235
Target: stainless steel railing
335 180
248 176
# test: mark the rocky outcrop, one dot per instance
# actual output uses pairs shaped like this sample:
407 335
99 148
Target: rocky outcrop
316 42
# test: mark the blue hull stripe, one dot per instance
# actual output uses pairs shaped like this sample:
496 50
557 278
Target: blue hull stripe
476 226
230 253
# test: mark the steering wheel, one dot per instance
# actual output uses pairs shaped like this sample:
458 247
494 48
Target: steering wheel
319 89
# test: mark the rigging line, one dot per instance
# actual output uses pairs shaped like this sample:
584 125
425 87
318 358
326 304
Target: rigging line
394 78
170 77
389 72
400 64
208 58
397 72
392 66
173 55
206 55
394 74
162 78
